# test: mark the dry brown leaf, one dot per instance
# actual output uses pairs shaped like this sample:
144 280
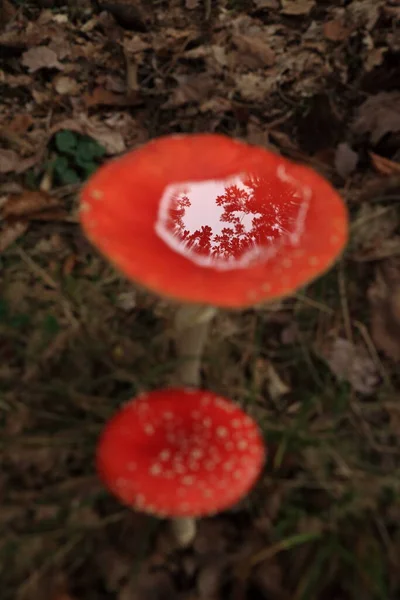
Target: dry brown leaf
336 30
345 160
40 57
27 203
373 235
275 384
254 87
66 86
273 4
351 362
10 233
254 47
7 12
297 7
191 4
102 97
195 88
364 13
383 165
378 115
374 58
9 161
384 297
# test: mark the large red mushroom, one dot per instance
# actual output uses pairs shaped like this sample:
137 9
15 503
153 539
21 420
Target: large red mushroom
210 221
180 453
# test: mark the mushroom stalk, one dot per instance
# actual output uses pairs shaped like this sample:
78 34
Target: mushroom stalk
192 323
184 530
191 328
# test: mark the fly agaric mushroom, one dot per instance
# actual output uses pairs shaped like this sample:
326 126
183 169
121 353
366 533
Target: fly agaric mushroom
212 222
180 453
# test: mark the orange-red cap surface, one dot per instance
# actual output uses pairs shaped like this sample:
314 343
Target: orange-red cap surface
180 452
207 219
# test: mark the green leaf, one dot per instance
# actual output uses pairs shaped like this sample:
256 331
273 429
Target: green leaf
89 170
20 321
60 165
51 325
69 176
88 149
66 142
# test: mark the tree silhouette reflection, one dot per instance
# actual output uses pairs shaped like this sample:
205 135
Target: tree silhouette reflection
252 216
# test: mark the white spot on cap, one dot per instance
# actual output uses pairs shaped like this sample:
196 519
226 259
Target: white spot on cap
266 287
155 469
222 432
242 445
165 455
97 194
252 294
140 501
207 422
132 466
196 453
188 480
168 415
149 429
287 263
122 483
84 207
313 261
236 423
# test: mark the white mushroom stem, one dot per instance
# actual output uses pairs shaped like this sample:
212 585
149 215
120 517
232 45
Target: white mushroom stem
184 530
191 327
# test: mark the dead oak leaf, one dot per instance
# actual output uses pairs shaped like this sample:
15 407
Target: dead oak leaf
384 166
191 89
10 233
40 57
336 30
254 48
378 115
350 362
384 298
297 7
27 204
8 161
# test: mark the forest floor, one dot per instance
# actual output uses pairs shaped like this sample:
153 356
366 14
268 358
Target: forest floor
315 80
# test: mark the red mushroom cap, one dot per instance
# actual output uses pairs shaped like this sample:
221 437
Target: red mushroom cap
208 219
180 452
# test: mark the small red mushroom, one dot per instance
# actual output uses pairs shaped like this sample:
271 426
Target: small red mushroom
180 453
